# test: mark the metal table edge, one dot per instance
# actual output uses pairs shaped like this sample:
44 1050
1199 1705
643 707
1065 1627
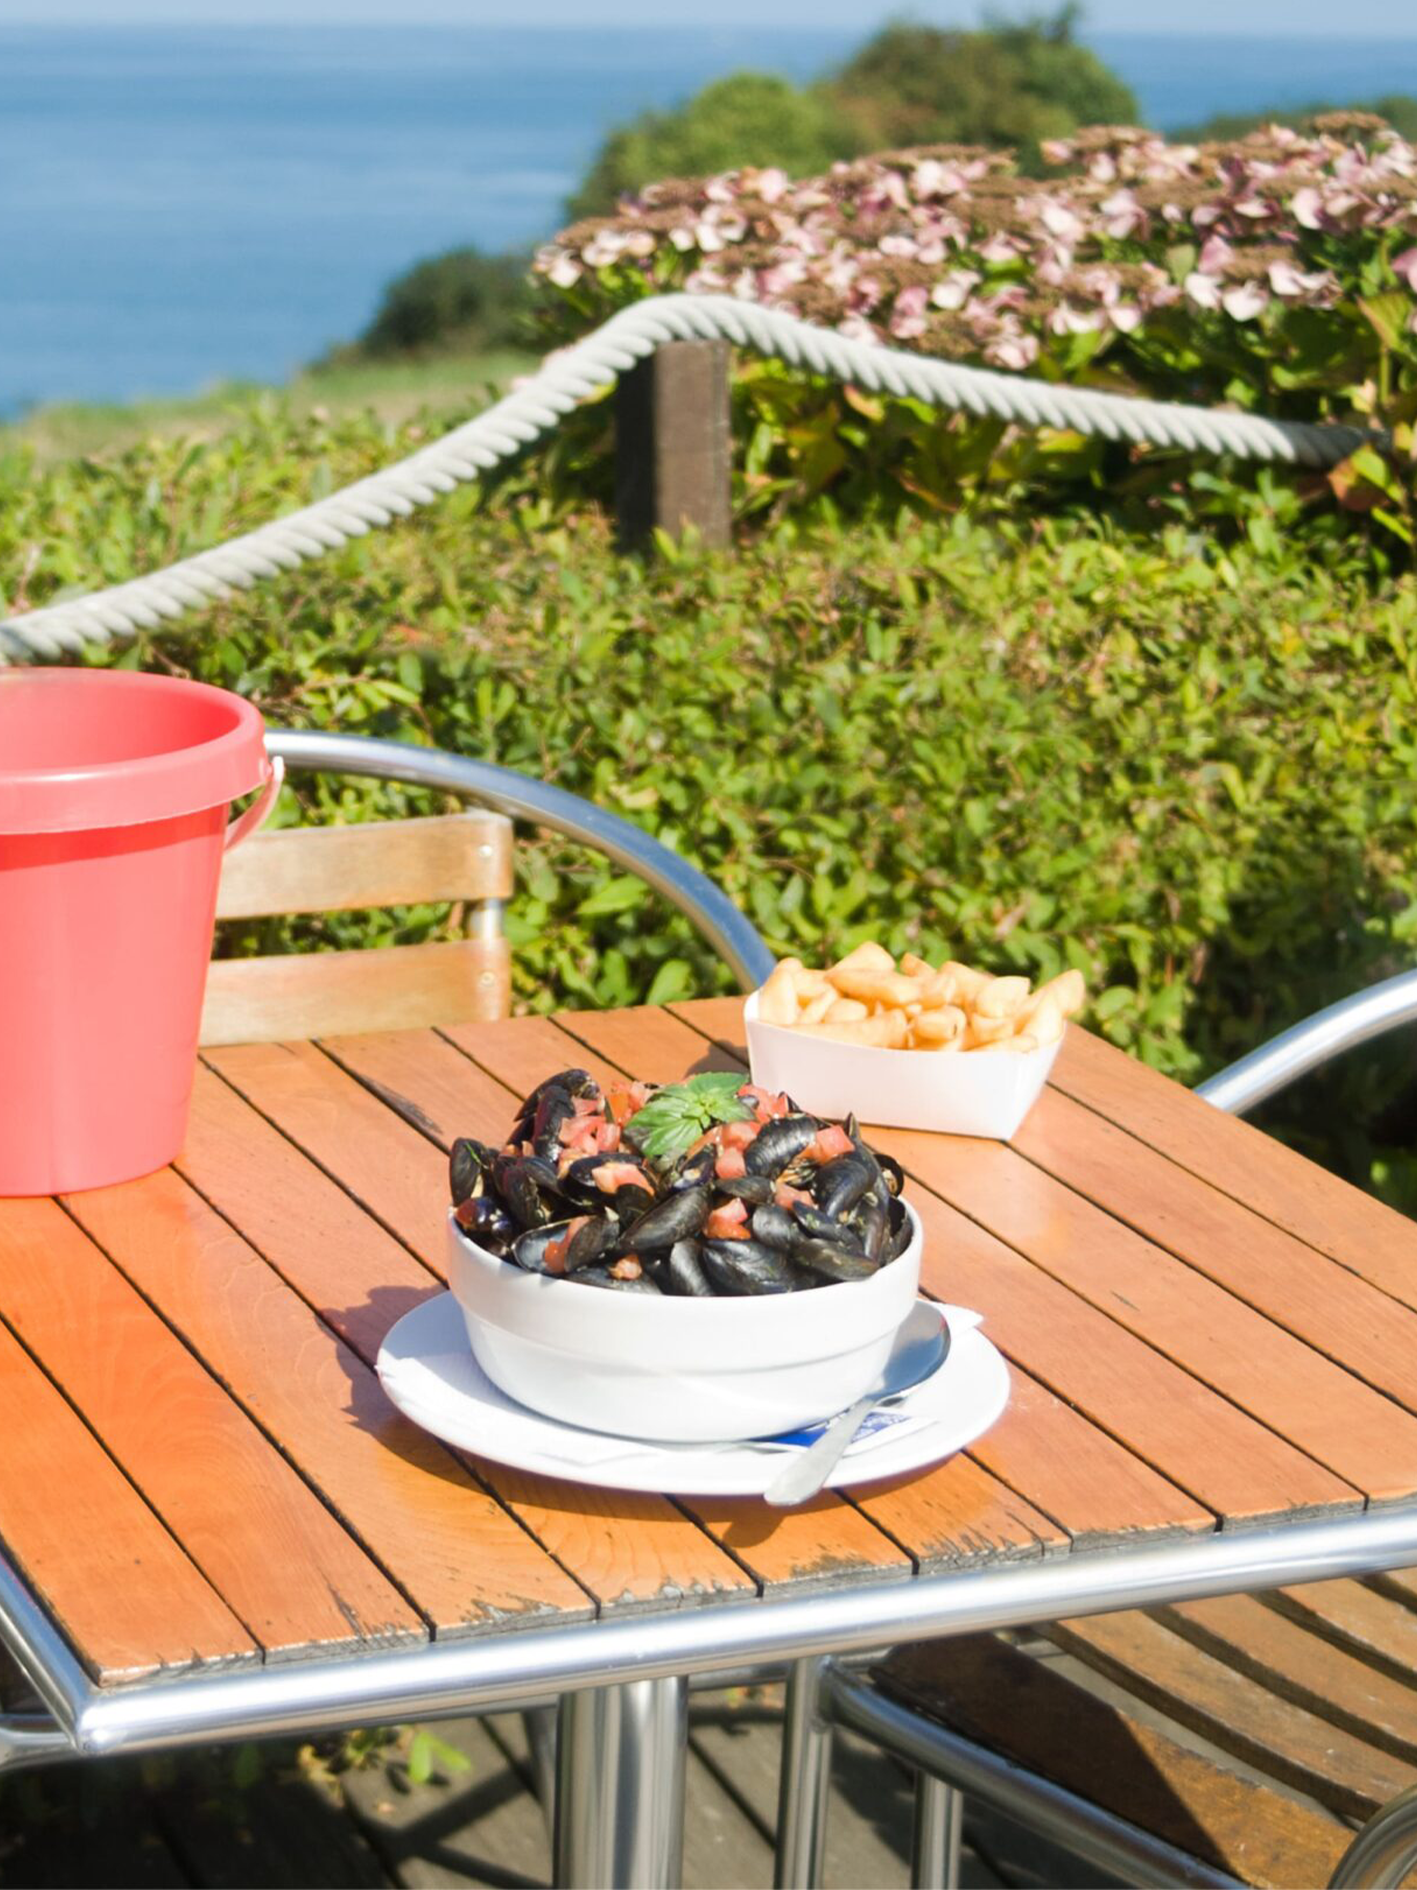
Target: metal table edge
487 1674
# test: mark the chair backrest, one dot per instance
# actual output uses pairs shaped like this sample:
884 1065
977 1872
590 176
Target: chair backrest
464 858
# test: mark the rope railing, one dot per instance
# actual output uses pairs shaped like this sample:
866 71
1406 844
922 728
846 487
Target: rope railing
567 378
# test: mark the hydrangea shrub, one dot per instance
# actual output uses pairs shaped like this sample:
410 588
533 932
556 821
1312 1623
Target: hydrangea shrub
1275 273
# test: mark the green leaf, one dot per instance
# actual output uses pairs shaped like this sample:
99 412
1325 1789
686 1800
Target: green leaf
675 1117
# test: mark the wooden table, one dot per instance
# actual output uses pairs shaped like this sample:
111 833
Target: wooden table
217 1525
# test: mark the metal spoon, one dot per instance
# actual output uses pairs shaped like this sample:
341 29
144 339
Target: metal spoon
920 1348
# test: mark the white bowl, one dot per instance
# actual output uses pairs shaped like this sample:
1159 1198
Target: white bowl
958 1092
686 1371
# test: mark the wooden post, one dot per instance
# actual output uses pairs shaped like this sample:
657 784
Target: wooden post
673 444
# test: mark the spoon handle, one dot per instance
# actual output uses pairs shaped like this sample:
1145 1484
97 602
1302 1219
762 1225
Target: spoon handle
805 1475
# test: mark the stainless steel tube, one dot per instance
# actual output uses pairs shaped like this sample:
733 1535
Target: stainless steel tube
1353 1020
804 1783
939 1832
1121 1849
732 936
1384 1851
488 1672
620 1755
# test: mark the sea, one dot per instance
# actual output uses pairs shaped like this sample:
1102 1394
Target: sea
180 207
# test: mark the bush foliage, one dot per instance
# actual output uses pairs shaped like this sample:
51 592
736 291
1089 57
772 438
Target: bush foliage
462 301
1275 274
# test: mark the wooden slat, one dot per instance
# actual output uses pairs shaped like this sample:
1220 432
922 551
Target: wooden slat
1371 1625
1285 1741
1301 1666
1042 1718
1301 1396
440 1088
521 1051
264 1540
1166 1415
1292 1284
957 1515
461 1559
447 857
324 994
1091 1485
1275 1181
628 1550
92 1551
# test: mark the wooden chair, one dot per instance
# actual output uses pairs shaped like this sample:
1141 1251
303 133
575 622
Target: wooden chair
463 858
1240 1739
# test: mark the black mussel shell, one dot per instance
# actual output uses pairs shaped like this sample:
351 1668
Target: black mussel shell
778 1143
469 1169
486 1221
681 1272
776 1228
841 1183
747 1266
602 1276
900 1232
524 1182
818 1226
755 1188
831 1262
694 1171
675 1216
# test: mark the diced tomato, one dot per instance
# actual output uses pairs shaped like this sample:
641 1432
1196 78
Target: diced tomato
610 1177
738 1134
607 1138
555 1255
829 1143
579 1133
785 1194
588 1105
626 1098
766 1103
712 1136
728 1222
627 1267
730 1165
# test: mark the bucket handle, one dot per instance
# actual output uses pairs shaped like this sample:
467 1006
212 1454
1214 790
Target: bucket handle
261 809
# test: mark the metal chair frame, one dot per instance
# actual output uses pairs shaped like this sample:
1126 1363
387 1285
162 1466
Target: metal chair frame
947 1766
734 937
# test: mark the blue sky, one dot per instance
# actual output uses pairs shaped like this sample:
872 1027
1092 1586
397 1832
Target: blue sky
1367 18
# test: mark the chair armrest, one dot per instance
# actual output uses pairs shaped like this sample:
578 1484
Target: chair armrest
735 939
1353 1020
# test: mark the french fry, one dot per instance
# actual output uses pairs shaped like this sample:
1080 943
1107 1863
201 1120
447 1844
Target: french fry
982 1030
867 957
885 1031
886 988
777 1001
817 1007
1044 1019
1068 989
967 982
940 1026
916 967
1001 998
846 1011
1020 1043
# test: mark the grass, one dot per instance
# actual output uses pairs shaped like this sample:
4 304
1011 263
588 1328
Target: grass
393 392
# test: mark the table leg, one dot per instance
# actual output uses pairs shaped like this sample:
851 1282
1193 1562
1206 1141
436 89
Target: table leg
620 1755
805 1780
939 1825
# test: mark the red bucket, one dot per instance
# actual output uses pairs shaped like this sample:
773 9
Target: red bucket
114 795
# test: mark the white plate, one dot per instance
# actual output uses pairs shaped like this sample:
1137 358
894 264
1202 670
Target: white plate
427 1369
